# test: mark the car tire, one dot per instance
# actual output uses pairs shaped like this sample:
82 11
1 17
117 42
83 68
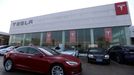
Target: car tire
57 70
8 65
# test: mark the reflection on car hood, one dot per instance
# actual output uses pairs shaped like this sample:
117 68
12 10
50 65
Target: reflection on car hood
69 57
69 52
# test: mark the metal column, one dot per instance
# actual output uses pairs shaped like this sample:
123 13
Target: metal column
92 36
63 38
41 38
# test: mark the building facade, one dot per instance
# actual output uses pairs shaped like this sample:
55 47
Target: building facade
101 26
132 34
4 38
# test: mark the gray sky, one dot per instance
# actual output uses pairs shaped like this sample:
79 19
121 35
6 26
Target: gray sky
18 9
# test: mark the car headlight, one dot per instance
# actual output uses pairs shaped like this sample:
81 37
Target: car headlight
90 55
106 56
72 63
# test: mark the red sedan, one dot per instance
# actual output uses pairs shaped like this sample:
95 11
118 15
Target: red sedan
43 60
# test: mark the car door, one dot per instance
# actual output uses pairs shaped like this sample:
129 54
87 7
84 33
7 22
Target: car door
37 61
112 52
20 58
118 51
115 51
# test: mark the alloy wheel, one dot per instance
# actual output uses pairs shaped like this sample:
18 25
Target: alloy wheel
57 70
8 65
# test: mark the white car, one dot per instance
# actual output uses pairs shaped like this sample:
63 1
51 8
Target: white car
5 50
72 52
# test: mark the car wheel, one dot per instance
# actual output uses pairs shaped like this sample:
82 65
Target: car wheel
57 70
8 65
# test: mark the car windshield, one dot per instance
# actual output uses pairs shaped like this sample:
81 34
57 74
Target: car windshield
49 51
96 50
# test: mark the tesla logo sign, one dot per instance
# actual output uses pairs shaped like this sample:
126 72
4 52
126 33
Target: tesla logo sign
48 37
72 36
121 8
108 34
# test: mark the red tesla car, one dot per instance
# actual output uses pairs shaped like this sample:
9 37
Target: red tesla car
43 60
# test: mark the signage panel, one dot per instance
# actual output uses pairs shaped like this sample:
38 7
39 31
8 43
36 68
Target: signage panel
48 37
121 8
108 34
72 36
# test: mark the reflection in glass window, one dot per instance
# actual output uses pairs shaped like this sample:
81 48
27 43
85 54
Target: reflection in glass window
33 51
27 39
117 36
99 38
82 39
55 39
32 38
16 39
69 43
36 39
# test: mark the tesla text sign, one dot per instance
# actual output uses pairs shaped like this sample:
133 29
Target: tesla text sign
21 23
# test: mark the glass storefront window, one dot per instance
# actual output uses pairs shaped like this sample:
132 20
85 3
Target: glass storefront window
99 38
35 39
32 38
70 40
16 39
27 40
82 37
118 36
52 39
87 41
105 37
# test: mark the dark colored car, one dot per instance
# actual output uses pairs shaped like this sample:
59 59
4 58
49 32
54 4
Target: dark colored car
122 54
98 55
43 60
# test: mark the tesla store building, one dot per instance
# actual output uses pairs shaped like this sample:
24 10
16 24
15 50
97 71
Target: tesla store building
101 26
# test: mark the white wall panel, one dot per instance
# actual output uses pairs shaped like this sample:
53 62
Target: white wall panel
100 16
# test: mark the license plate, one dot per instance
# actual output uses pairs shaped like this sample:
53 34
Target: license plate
99 60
